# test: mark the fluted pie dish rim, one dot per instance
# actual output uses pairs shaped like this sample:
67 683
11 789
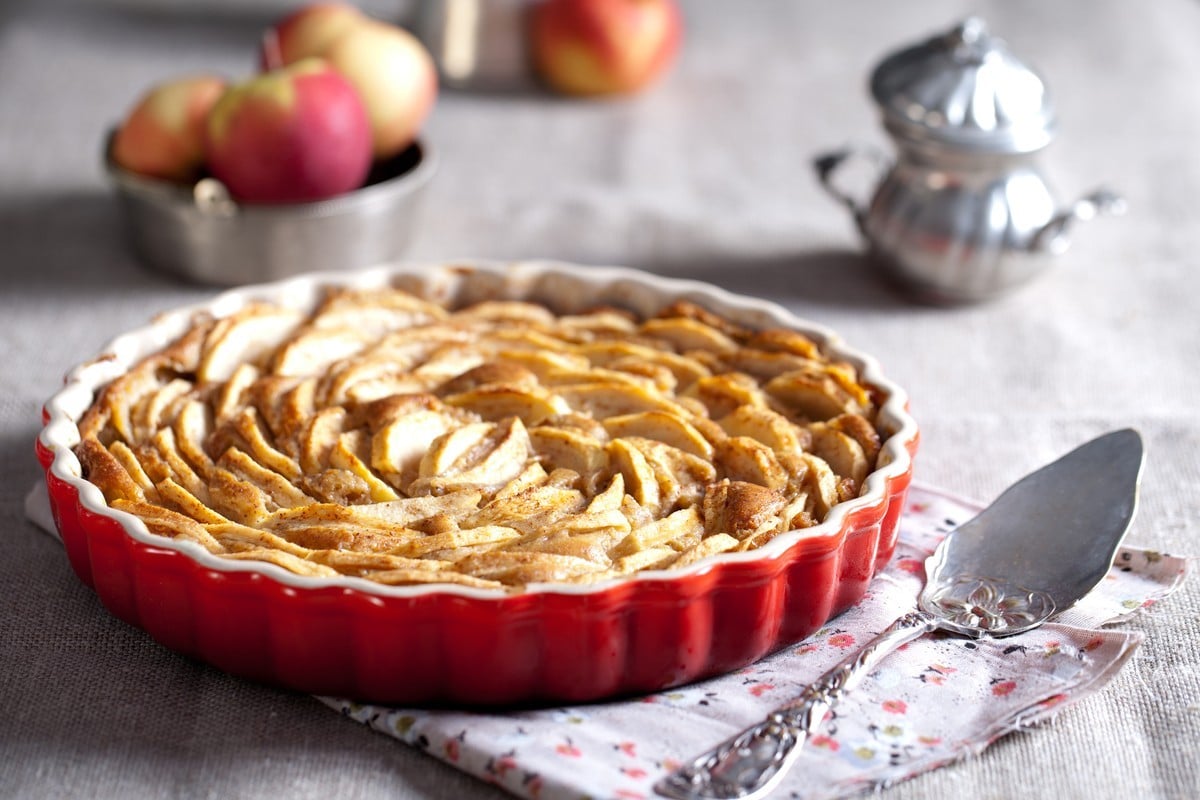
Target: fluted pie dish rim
85 519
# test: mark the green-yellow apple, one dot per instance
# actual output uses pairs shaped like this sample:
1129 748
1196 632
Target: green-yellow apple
163 136
596 47
291 135
307 32
396 77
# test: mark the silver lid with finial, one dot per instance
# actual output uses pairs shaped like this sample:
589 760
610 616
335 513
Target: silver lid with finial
964 90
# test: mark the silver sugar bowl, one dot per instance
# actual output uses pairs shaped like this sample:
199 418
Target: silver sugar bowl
964 213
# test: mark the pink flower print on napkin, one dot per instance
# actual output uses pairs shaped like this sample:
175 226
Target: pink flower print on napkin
568 748
842 640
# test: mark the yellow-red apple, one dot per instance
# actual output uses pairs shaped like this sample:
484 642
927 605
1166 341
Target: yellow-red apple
163 135
307 32
291 135
596 47
394 74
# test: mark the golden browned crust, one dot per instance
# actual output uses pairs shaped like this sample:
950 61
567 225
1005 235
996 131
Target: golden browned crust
388 438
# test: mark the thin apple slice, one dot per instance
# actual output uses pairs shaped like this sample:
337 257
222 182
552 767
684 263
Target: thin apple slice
158 407
191 430
711 546
740 508
106 471
608 399
813 396
171 524
496 402
637 473
542 362
248 424
524 567
686 335
228 398
236 499
459 538
410 511
507 311
400 445
680 525
446 450
319 438
764 365
563 448
767 426
247 337
681 476
723 394
471 461
663 427
279 488
651 558
166 446
843 454
349 453
742 458
530 511
344 299
183 501
861 431
782 340
313 351
822 484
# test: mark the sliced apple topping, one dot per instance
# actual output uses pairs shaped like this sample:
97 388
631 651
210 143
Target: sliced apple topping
816 396
386 438
741 509
843 454
482 456
686 335
743 458
766 426
314 351
663 427
497 401
565 448
723 394
248 337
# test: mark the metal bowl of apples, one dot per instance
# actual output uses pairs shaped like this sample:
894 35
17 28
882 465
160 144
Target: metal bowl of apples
200 233
313 164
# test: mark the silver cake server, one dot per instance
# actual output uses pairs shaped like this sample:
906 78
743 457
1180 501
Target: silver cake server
1043 545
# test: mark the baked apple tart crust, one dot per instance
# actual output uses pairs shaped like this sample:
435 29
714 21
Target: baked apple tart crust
386 437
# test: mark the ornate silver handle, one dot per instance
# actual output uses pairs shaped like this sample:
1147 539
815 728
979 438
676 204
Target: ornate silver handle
827 164
752 763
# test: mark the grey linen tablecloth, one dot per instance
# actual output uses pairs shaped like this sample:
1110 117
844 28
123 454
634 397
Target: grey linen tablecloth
708 177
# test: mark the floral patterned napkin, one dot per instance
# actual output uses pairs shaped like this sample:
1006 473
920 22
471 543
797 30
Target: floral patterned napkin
937 700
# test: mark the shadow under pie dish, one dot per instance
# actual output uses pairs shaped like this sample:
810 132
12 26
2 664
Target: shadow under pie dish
478 484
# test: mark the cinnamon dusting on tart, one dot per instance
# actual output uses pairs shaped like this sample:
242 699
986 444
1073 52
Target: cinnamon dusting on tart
386 437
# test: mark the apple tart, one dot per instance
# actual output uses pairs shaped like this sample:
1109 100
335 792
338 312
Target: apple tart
386 437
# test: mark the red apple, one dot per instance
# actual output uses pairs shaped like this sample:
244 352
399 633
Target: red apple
163 136
595 47
307 32
396 77
292 135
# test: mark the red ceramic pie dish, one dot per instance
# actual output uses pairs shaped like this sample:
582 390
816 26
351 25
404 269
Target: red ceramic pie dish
442 644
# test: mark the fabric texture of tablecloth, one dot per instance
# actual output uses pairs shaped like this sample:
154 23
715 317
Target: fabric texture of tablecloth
937 700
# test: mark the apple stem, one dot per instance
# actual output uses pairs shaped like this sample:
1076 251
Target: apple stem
272 53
